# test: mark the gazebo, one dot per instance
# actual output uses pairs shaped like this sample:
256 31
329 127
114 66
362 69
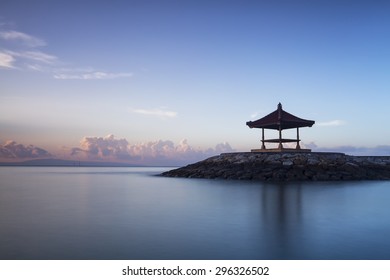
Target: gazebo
280 120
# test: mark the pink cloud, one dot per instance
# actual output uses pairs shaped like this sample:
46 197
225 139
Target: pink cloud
13 150
160 152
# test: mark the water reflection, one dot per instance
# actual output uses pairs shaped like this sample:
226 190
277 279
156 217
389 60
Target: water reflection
281 208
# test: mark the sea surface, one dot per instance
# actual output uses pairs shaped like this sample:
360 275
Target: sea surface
130 213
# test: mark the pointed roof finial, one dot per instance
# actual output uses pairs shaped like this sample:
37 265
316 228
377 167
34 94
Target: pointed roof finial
279 111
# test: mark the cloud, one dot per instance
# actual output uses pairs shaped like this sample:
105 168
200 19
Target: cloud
96 75
223 148
381 150
20 60
156 112
160 152
35 67
332 123
37 56
24 38
6 60
25 54
13 150
103 148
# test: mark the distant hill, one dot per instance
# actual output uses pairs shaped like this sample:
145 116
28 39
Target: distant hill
62 162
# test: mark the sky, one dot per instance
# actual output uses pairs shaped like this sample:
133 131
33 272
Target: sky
170 82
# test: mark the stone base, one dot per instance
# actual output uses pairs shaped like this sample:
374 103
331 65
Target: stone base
278 150
287 166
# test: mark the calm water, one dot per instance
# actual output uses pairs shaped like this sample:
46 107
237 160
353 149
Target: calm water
128 213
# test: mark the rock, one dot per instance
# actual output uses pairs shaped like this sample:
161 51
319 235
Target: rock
287 167
287 163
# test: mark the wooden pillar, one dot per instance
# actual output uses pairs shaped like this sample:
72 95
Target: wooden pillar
298 147
262 139
280 138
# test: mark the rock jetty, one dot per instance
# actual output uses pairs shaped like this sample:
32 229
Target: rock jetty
285 166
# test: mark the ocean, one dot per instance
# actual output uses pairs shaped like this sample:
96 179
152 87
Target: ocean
130 213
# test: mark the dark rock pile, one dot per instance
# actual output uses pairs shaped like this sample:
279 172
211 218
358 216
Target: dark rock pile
287 167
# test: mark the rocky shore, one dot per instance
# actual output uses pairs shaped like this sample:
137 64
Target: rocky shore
284 166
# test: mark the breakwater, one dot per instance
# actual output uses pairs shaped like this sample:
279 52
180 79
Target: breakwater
285 166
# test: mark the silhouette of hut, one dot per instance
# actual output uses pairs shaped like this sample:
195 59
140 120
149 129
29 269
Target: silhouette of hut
280 120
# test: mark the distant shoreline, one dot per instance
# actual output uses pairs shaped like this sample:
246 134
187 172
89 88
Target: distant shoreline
287 166
72 163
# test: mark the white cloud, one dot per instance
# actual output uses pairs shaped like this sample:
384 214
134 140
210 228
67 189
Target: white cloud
6 60
332 123
96 75
25 54
255 115
160 152
35 56
39 56
35 67
26 39
13 150
156 112
22 59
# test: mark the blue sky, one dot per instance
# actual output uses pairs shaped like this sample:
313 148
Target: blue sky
181 77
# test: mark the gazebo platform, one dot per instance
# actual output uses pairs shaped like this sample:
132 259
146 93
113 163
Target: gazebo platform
282 150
